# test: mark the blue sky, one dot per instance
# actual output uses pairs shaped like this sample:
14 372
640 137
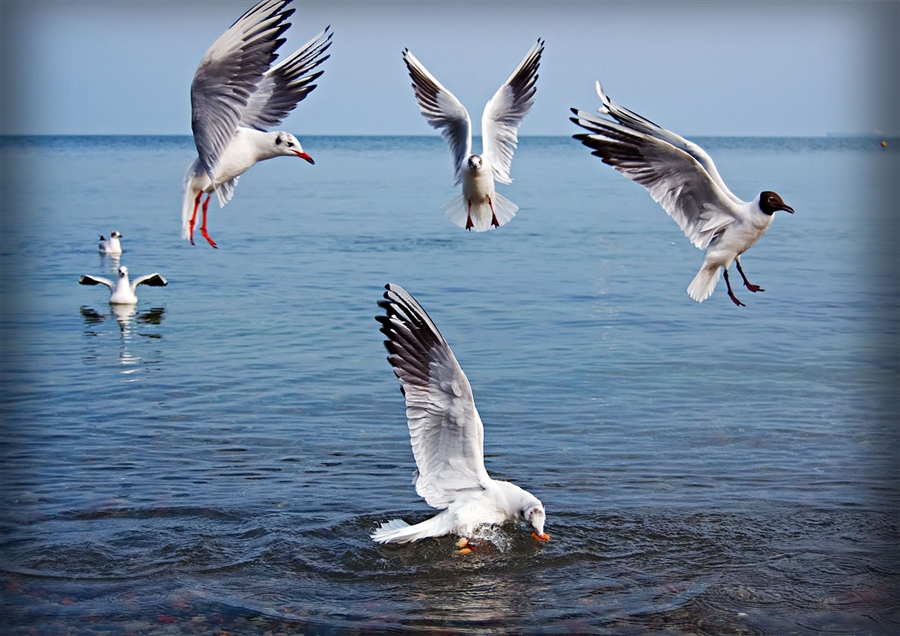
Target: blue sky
699 68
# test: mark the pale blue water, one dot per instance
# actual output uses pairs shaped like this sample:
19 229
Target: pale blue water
216 461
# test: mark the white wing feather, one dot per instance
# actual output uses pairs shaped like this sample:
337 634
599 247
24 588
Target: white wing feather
445 429
442 111
632 120
674 178
151 280
505 111
87 279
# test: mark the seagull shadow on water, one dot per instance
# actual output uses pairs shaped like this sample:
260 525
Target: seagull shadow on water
126 316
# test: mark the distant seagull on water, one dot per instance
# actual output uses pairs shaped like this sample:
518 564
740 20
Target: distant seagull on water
479 207
447 435
111 246
683 179
236 96
122 291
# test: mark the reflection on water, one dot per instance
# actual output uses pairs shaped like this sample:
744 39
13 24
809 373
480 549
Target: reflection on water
132 324
111 261
125 315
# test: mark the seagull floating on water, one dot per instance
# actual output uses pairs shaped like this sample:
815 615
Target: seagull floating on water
683 179
122 291
112 246
479 207
446 433
237 96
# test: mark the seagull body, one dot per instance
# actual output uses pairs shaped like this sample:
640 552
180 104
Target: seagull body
446 433
479 207
683 179
111 246
236 96
122 291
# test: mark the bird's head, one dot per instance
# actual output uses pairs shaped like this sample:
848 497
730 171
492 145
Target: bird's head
769 202
115 234
534 514
123 271
475 162
287 144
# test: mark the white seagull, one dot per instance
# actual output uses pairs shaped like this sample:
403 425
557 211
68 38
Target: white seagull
112 246
683 179
479 207
237 96
122 291
446 434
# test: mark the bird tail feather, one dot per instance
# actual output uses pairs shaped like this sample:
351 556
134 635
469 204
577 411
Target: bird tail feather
457 210
704 282
398 531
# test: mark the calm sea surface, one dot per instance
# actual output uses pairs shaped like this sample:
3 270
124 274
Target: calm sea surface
215 460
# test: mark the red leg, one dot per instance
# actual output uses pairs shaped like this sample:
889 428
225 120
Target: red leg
731 293
494 220
469 223
194 215
203 226
747 283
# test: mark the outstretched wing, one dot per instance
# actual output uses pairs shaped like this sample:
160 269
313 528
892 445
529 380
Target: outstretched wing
87 279
151 280
445 430
631 119
442 111
229 74
506 110
674 178
286 84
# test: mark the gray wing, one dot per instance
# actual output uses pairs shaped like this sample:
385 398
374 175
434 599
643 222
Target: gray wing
445 430
286 84
506 110
229 74
674 178
151 280
87 279
632 120
442 111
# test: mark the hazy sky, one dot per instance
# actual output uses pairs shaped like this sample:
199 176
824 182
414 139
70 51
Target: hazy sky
699 68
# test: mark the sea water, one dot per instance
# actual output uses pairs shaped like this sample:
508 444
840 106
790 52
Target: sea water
215 458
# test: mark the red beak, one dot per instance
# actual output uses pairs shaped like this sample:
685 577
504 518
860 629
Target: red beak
306 156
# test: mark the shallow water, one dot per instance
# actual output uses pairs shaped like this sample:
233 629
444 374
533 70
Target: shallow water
217 459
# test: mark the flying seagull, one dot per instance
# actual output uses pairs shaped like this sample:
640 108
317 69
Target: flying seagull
683 179
479 207
237 96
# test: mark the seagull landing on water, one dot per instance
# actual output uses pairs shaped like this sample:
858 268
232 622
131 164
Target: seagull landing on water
111 246
236 96
122 291
479 207
446 434
683 179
